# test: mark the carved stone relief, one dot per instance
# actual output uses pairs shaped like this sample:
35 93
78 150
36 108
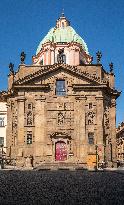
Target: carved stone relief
60 116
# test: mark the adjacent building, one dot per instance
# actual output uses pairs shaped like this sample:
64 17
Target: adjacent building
120 143
62 108
3 122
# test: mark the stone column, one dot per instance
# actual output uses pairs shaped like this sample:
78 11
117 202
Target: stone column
44 57
40 124
82 129
77 129
20 131
49 57
73 51
52 56
77 57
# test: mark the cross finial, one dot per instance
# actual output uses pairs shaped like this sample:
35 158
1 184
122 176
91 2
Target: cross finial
63 12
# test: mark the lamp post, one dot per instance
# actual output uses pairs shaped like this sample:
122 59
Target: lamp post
1 160
96 148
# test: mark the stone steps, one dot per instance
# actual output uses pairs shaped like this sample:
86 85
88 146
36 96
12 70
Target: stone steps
59 166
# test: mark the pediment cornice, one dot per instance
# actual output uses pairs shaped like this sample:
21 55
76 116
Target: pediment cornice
51 68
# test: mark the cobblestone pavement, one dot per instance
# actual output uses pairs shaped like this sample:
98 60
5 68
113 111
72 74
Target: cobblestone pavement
61 187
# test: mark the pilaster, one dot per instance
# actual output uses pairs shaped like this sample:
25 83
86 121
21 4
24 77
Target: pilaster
20 126
113 129
99 131
40 124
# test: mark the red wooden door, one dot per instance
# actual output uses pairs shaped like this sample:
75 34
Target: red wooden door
61 151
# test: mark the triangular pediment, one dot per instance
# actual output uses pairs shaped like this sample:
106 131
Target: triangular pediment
56 69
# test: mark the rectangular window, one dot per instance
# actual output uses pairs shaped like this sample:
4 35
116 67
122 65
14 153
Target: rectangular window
60 88
1 140
29 138
91 138
1 121
30 106
90 105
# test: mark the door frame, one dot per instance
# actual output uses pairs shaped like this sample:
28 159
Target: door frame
61 141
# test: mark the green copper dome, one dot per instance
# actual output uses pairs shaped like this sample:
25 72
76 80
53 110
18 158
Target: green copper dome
62 35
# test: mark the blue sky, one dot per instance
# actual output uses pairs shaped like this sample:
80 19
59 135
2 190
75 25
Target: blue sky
100 23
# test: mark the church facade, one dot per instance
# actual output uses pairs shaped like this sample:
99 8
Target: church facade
62 108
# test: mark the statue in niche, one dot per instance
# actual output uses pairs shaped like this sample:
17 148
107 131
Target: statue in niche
61 58
29 118
90 117
60 118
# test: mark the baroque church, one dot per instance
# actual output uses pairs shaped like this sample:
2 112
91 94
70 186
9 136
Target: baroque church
62 108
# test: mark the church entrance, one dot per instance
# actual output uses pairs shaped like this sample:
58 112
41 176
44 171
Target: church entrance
60 151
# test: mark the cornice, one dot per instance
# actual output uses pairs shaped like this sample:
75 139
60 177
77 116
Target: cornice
37 86
50 68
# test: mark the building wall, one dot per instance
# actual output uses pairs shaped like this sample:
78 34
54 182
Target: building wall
120 142
3 124
70 119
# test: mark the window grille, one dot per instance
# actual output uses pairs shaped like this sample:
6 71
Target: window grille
29 138
1 121
91 138
1 140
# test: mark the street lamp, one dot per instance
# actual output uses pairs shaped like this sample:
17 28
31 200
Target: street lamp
96 148
1 157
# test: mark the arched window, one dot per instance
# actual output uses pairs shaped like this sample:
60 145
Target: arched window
62 24
41 62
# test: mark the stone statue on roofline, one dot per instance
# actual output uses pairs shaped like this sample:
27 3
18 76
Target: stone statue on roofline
22 57
99 56
111 67
11 68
